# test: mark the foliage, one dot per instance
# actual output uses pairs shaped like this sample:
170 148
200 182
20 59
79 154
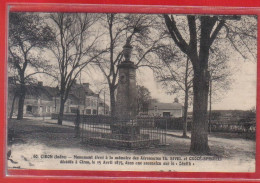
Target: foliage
28 35
143 98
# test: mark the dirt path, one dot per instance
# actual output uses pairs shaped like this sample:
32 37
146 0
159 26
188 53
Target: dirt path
37 137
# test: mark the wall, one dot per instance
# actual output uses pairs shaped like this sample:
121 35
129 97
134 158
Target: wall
176 113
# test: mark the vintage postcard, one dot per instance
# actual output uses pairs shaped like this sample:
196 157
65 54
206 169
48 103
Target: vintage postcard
131 92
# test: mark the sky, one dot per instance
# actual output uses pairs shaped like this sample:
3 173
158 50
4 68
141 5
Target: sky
241 95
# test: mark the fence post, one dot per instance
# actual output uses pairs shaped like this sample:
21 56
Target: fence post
165 131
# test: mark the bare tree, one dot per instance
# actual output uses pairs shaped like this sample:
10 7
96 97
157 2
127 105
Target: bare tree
220 78
175 75
202 33
121 28
75 48
108 64
28 35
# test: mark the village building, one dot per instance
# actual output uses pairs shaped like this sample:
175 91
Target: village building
44 100
174 110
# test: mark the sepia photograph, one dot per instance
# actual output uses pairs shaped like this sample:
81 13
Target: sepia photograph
131 92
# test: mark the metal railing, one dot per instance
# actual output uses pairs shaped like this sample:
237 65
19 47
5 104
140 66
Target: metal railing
99 131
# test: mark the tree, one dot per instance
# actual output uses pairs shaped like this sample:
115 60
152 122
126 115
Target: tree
108 65
28 35
175 75
121 28
202 33
75 48
143 98
13 92
219 79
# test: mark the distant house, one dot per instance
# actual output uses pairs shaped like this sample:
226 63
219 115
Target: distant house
43 100
83 98
174 109
38 99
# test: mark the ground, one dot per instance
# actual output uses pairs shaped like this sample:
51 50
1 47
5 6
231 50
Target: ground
42 144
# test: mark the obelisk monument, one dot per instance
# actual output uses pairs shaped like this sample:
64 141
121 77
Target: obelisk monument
126 99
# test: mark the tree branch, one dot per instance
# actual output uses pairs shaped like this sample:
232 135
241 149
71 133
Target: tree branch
176 36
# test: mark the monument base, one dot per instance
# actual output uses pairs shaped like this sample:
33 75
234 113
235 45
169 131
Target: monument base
123 135
129 131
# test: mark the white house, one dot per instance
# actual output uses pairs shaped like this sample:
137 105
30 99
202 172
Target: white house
174 109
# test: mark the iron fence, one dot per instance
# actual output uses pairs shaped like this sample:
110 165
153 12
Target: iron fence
131 133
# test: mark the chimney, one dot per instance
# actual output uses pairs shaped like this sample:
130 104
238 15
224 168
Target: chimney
40 83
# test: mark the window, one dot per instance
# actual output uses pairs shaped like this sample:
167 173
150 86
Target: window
166 114
47 109
94 111
94 102
88 111
29 108
73 110
155 109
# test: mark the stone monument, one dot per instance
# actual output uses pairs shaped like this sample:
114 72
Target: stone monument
125 132
126 100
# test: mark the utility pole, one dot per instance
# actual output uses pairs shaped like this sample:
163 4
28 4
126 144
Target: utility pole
97 103
104 102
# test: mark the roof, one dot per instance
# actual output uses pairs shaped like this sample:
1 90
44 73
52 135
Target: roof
37 90
52 91
101 104
165 106
80 91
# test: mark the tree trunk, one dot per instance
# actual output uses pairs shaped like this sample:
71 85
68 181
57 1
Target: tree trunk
186 100
12 107
199 135
210 102
185 114
61 112
21 102
112 101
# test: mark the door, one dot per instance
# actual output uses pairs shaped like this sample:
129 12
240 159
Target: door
166 114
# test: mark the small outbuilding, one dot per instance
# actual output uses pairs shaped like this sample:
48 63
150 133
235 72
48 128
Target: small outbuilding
174 109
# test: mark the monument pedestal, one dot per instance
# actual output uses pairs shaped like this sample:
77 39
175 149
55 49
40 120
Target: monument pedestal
126 136
125 133
127 130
